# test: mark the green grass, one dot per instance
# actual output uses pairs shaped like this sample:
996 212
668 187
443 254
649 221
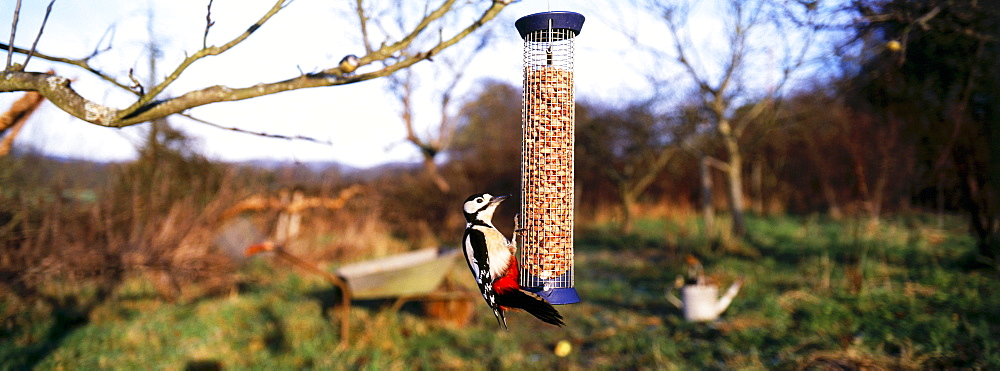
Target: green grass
904 293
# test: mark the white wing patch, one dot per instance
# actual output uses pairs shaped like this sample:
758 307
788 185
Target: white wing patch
473 263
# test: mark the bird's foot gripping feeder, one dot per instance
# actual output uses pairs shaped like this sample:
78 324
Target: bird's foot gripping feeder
548 115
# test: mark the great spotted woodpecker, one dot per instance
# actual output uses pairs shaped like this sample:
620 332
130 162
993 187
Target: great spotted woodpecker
491 258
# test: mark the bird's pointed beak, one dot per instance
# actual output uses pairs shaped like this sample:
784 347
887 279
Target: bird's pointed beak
499 199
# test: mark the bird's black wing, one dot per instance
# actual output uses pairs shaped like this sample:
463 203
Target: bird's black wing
476 256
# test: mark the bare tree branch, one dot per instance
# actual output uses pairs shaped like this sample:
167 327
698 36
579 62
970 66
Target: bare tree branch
109 34
387 51
717 163
257 133
208 25
363 24
48 10
82 63
656 164
922 21
15 118
721 92
446 129
670 17
136 85
57 88
13 31
403 86
214 50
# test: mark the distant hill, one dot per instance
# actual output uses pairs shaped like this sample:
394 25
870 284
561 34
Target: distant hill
90 174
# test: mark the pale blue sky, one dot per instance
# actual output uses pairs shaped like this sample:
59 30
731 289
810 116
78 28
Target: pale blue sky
361 120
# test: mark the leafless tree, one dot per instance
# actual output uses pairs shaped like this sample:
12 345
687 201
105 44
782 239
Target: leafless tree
394 53
449 72
722 75
629 147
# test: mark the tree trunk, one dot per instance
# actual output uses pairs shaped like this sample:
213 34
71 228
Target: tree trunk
736 195
431 168
628 210
707 210
757 184
735 177
831 198
978 200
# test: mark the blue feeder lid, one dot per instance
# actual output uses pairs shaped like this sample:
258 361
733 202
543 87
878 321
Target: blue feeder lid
556 296
540 21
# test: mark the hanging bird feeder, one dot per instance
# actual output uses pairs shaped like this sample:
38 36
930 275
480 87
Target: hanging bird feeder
547 136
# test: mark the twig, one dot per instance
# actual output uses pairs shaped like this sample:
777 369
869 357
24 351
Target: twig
717 163
111 39
82 63
208 25
257 133
922 21
363 22
136 85
48 10
13 31
58 91
386 52
12 121
213 50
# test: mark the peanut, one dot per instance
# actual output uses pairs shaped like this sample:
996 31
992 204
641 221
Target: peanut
547 175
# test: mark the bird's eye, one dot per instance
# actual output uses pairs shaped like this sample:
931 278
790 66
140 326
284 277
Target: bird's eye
479 200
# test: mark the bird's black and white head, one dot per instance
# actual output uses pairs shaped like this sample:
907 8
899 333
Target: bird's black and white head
480 207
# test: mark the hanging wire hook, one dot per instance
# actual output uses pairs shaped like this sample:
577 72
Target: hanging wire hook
548 52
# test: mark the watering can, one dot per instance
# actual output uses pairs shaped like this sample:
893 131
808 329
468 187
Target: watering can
701 301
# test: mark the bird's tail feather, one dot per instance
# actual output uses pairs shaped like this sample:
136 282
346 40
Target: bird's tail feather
531 303
500 318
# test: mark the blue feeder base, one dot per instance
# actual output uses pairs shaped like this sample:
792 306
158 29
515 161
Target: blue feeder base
556 296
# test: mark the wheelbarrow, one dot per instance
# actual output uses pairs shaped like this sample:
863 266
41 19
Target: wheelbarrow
417 275
410 274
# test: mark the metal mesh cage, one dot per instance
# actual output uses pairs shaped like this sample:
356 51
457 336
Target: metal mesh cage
547 128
